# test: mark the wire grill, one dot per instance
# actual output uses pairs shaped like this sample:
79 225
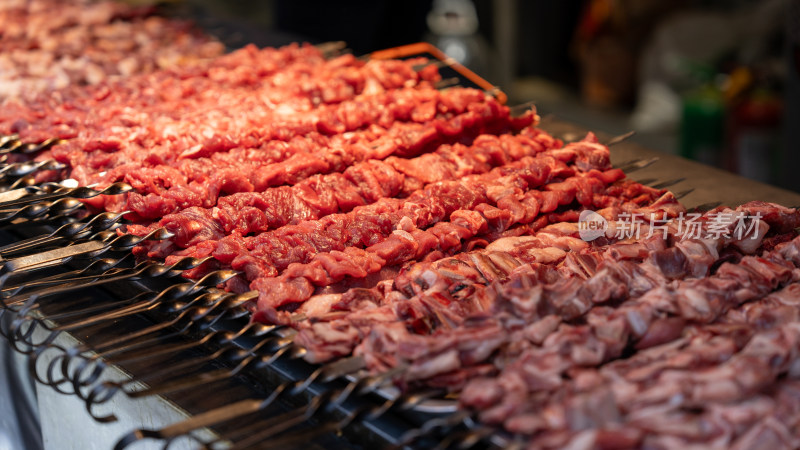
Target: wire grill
73 273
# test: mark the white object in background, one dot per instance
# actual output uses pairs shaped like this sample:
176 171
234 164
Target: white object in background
658 108
453 26
453 18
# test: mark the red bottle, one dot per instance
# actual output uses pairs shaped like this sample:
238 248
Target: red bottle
755 134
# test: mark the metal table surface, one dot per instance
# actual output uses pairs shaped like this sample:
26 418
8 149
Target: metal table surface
709 183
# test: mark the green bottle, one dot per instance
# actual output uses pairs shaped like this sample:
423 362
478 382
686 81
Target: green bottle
703 125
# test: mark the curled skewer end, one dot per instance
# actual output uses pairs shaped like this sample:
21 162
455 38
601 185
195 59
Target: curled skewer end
620 138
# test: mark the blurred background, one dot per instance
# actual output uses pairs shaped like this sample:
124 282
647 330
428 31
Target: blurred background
712 80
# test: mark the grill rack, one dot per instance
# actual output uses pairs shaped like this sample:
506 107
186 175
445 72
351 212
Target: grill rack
251 344
155 316
189 316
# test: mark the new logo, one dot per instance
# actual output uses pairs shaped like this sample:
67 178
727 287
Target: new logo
591 225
